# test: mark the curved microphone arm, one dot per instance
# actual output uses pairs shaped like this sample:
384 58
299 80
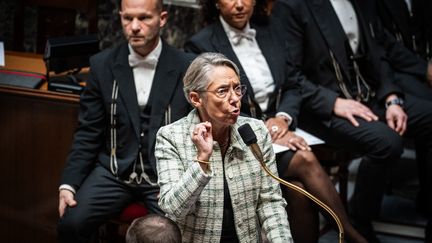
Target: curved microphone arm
310 196
249 138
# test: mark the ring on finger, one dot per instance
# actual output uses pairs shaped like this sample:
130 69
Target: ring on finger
274 129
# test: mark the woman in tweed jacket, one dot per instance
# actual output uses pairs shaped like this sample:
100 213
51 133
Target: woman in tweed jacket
210 182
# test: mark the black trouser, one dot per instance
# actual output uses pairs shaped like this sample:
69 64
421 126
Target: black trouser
380 146
100 198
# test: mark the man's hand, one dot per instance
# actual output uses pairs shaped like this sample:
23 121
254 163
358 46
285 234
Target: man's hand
66 199
349 108
277 127
292 141
396 119
429 74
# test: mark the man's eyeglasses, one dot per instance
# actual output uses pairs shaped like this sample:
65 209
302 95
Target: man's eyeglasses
222 92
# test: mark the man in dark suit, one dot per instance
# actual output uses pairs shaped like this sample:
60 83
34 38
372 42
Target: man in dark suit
243 32
349 96
133 89
407 21
402 28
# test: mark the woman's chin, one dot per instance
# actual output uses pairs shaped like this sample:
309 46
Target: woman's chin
233 119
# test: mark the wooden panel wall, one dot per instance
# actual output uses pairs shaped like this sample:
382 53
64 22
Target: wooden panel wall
36 130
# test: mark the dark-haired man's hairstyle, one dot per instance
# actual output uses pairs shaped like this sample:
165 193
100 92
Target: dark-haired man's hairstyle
210 13
153 228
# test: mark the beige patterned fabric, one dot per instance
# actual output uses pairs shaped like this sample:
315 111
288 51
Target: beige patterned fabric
195 199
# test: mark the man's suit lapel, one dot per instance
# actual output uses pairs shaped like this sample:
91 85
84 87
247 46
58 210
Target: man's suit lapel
127 92
164 84
365 26
399 12
331 29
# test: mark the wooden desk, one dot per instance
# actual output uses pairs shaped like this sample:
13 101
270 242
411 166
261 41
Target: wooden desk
28 62
25 61
36 128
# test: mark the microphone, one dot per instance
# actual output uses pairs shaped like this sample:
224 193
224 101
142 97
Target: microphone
249 138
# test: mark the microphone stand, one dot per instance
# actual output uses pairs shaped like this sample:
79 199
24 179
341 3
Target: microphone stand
310 196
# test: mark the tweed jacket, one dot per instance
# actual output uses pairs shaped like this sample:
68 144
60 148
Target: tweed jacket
194 199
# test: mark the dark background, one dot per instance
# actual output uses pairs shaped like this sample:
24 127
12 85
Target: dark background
26 24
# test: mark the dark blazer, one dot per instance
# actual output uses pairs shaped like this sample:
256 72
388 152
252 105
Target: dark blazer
92 138
214 39
398 55
312 29
397 19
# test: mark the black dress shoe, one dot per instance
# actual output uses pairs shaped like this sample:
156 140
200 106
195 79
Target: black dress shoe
365 228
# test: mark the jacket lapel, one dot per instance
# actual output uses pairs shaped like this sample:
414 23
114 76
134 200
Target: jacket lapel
399 11
271 53
164 83
127 92
221 44
331 29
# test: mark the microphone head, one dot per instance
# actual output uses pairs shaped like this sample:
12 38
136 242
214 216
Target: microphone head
247 134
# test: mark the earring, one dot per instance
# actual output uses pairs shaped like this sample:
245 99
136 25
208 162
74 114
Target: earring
217 5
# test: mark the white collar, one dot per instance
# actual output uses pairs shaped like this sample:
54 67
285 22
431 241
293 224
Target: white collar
154 54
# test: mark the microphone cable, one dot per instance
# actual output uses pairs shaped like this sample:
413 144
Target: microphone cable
310 196
249 138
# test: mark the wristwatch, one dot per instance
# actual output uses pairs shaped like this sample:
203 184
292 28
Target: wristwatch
397 101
